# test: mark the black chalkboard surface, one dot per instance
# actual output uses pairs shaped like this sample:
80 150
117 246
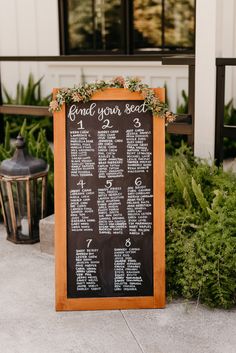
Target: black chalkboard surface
109 203
110 198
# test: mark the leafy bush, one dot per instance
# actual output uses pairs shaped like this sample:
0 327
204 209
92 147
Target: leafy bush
38 147
28 95
200 230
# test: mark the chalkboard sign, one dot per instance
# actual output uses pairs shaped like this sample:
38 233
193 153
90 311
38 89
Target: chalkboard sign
109 203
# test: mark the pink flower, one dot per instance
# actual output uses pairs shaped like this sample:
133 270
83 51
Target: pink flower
53 105
119 80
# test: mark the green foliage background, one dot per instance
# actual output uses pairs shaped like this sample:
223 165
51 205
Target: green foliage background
200 231
30 94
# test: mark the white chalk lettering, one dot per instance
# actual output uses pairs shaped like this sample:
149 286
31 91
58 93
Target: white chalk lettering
140 108
107 111
75 111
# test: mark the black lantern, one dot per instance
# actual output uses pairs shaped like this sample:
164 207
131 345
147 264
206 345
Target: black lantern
23 182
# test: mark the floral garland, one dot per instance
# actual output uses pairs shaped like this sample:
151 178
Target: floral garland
83 93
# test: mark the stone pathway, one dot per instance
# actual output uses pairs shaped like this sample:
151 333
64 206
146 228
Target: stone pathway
29 323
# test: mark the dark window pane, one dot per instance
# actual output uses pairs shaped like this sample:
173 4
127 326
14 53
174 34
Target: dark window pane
94 25
179 23
147 24
160 25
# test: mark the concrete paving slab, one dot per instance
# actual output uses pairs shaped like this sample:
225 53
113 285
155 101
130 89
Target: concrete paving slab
29 324
184 327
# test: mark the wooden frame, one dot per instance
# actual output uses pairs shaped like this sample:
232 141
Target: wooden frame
158 299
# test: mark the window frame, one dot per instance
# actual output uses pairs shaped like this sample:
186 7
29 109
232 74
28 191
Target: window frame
127 39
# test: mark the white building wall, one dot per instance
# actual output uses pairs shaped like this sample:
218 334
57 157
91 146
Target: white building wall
30 27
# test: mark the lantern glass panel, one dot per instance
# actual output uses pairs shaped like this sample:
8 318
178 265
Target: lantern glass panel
6 206
35 198
20 205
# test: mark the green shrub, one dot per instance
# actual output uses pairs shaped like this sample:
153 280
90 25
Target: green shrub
28 95
200 231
